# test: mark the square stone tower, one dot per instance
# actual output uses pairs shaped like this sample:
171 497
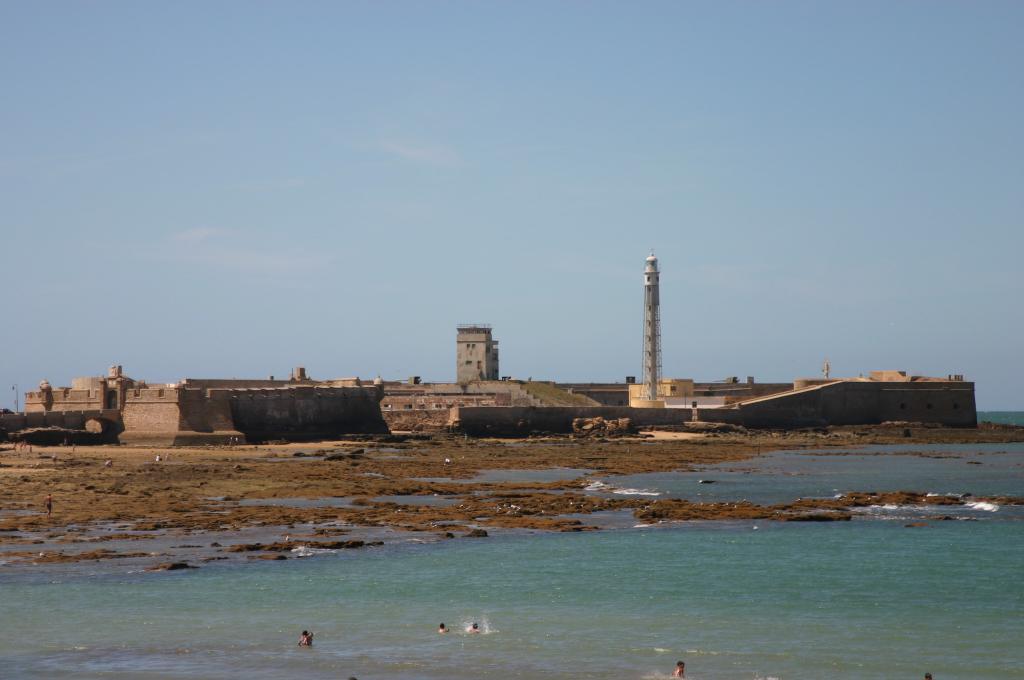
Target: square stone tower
476 354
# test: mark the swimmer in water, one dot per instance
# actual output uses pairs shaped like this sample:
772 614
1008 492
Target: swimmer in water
475 628
306 639
927 676
680 670
442 629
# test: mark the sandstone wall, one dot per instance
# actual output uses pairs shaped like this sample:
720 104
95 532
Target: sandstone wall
64 399
841 403
416 420
171 416
151 417
70 420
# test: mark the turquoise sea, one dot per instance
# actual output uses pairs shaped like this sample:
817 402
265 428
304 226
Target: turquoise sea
866 599
1002 417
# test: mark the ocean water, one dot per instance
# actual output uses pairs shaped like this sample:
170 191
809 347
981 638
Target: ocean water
978 469
867 599
1003 417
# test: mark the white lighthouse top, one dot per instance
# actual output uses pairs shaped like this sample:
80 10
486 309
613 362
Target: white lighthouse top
652 263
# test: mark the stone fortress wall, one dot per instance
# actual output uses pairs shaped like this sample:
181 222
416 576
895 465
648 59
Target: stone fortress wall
856 401
199 411
416 406
239 410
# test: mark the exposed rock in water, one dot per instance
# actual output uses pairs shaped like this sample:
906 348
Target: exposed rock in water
818 517
101 554
345 455
172 566
285 546
475 533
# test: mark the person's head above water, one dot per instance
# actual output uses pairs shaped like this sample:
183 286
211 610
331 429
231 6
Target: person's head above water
305 632
475 626
927 676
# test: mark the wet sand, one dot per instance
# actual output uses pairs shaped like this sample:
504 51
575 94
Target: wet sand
203 504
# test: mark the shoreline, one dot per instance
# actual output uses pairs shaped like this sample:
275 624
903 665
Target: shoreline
197 506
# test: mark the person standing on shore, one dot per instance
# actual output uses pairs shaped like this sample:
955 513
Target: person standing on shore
680 670
49 505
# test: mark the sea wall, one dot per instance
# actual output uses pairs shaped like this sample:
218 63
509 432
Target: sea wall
520 421
304 412
175 417
70 420
854 402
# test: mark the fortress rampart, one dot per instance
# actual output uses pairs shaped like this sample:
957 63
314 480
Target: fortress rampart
840 402
196 411
862 402
199 411
305 412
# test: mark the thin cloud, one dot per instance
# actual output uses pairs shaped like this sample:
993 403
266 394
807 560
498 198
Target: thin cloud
426 154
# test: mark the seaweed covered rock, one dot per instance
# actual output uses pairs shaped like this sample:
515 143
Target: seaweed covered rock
172 566
602 427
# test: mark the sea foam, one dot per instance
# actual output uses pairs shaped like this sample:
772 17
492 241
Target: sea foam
598 485
635 492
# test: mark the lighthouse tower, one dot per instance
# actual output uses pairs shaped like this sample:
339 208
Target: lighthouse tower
652 330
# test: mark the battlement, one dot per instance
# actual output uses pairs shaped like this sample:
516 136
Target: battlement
198 410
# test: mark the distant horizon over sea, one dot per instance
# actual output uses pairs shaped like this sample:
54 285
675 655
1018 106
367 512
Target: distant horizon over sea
1001 417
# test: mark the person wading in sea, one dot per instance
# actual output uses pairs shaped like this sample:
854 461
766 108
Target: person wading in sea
49 505
680 670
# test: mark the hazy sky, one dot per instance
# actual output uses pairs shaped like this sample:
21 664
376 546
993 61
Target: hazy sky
216 189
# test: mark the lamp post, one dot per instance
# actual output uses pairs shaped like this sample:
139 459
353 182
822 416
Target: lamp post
14 388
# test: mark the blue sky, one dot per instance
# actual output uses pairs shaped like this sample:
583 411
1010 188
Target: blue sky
233 188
